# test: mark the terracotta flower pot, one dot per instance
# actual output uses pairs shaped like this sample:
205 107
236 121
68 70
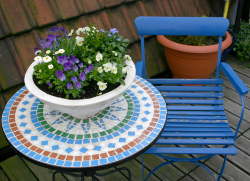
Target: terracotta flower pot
186 61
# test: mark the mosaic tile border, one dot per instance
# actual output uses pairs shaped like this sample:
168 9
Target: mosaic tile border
17 128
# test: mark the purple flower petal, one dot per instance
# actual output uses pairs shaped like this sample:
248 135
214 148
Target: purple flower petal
75 68
62 60
82 76
49 84
69 86
67 66
80 65
91 67
78 85
74 79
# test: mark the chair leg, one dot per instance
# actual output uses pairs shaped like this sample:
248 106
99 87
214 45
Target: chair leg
223 168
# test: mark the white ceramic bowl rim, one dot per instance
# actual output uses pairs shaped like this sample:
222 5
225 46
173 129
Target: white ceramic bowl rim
29 83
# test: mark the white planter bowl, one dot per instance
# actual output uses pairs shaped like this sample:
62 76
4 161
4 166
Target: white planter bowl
81 108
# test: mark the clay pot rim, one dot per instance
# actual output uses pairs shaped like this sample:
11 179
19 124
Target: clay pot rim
194 49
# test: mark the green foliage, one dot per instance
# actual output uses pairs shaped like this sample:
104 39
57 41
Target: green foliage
242 42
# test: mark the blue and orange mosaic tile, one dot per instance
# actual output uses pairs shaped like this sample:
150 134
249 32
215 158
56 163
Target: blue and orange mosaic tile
124 128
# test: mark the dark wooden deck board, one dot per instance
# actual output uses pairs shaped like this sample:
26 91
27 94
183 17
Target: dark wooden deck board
237 167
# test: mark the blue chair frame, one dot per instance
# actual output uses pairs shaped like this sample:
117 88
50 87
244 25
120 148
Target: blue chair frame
196 115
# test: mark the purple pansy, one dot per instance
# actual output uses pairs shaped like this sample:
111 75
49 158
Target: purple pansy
82 76
75 68
109 35
67 66
49 84
113 30
118 39
36 48
76 60
86 70
58 37
78 85
51 37
91 67
74 79
63 30
80 65
69 86
48 44
101 30
62 60
60 75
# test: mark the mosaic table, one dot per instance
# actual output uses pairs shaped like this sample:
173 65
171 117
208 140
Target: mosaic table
116 134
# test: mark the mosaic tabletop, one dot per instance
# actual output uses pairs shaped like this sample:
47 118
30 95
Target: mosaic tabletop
121 130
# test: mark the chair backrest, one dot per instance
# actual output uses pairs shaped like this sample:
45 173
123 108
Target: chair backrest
198 26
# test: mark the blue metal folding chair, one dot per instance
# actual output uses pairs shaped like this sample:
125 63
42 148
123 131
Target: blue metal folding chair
196 115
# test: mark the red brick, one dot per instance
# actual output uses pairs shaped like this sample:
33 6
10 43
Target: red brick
45 11
69 8
93 5
18 15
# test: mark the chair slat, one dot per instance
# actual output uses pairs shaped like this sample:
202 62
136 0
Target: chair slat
193 101
198 134
211 129
189 121
186 81
197 117
195 142
207 113
196 108
190 88
193 95
198 125
183 150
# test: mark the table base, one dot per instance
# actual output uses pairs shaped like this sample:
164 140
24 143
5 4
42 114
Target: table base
92 174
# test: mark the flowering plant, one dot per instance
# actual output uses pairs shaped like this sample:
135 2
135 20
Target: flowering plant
68 63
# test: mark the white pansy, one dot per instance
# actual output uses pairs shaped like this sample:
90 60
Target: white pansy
98 57
99 69
38 51
87 29
107 67
79 31
48 52
125 69
127 57
61 51
114 52
102 85
89 61
79 40
50 66
47 59
114 70
71 32
56 52
38 58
